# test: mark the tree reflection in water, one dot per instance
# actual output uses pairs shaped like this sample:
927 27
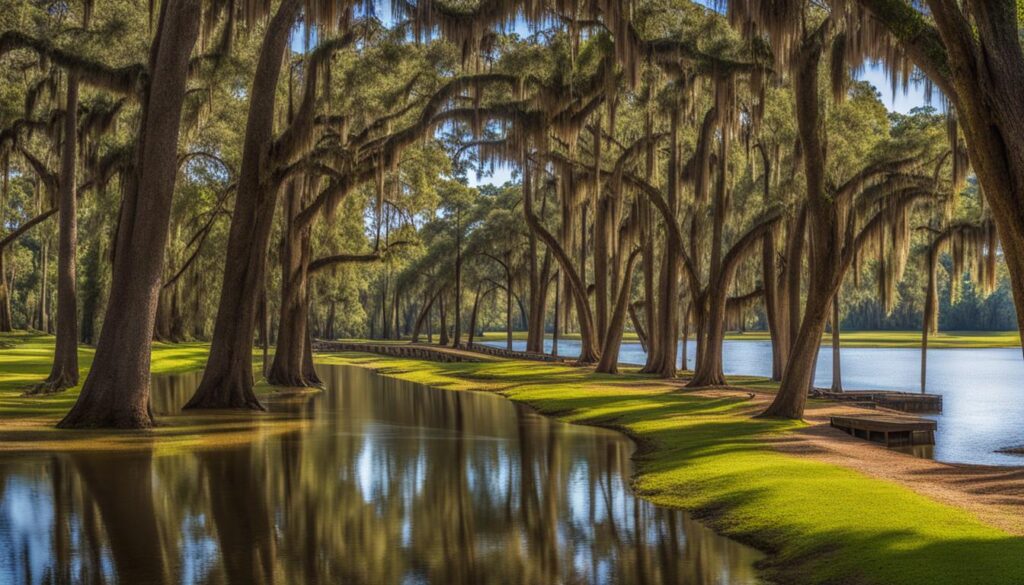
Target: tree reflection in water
390 483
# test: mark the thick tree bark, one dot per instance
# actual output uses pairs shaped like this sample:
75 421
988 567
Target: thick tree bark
116 392
228 378
64 372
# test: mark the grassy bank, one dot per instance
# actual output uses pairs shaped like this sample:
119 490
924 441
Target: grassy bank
27 423
942 340
822 523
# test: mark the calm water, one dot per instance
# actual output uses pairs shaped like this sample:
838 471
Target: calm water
982 389
389 482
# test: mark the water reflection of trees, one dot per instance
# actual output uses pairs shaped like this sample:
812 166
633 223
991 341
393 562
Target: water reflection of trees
390 483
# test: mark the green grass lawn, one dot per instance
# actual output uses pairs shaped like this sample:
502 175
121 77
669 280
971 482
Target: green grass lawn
945 339
821 523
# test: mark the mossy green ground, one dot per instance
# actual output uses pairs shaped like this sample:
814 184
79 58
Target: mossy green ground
942 340
821 523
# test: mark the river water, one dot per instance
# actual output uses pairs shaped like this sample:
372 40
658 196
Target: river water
982 389
385 482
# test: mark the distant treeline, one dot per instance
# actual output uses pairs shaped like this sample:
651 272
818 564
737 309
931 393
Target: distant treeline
972 311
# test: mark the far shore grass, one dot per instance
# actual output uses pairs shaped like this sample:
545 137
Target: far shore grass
820 523
883 339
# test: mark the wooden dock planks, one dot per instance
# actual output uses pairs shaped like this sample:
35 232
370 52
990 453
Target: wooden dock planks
890 429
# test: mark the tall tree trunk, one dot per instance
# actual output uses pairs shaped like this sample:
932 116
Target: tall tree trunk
6 320
794 269
824 260
508 300
64 372
609 363
472 315
442 335
329 327
555 322
668 337
650 307
289 367
770 277
837 374
457 312
228 378
42 322
116 392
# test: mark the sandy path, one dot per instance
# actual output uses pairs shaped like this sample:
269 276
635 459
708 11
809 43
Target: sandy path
994 494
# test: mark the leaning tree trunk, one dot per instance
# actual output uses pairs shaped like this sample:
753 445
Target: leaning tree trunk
64 372
116 392
228 379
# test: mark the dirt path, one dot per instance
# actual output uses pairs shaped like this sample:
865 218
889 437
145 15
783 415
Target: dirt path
994 494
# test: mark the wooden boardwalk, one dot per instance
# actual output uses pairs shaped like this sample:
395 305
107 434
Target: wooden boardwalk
404 350
902 401
890 429
474 352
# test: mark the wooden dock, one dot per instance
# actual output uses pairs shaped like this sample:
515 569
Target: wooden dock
902 401
890 429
